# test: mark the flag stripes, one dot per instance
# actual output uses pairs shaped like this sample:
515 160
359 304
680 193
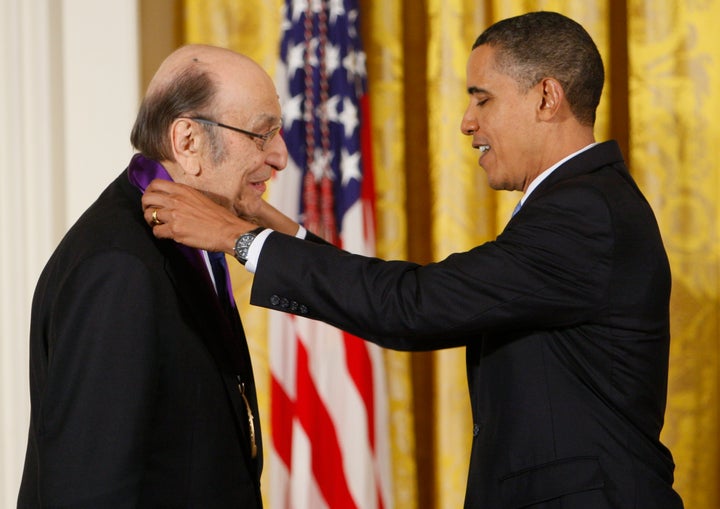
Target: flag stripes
329 433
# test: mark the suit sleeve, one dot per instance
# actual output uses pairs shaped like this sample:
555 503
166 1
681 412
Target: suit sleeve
98 398
549 268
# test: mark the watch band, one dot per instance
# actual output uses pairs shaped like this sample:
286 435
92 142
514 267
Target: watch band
242 244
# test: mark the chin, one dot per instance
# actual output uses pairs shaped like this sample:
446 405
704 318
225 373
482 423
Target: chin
244 207
500 185
496 185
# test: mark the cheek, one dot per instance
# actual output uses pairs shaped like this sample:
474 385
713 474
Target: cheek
241 168
239 182
513 133
242 178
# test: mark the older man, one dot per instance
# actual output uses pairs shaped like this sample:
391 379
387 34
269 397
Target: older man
142 389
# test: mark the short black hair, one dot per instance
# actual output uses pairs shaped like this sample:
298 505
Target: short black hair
545 44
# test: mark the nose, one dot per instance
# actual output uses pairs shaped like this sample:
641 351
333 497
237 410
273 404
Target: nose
468 124
277 153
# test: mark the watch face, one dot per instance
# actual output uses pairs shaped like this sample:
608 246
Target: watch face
242 245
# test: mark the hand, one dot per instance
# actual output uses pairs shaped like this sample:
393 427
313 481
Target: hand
268 216
179 212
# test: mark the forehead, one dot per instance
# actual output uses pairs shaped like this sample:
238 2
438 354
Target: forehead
484 75
481 64
248 93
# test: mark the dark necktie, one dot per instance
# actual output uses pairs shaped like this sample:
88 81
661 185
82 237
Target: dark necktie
220 273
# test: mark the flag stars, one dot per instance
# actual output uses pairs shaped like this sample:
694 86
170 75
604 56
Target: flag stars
332 108
337 9
286 23
292 110
332 58
305 111
354 62
321 163
348 117
299 7
295 58
350 166
352 23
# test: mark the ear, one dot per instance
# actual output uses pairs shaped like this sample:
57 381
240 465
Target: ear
185 140
552 98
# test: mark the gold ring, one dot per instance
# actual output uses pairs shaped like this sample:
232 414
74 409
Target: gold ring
155 220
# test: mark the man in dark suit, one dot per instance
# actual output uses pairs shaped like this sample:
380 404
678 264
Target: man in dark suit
142 389
564 316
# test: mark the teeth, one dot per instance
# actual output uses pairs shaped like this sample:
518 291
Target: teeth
484 148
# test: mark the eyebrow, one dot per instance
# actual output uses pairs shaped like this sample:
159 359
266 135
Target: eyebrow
476 90
267 118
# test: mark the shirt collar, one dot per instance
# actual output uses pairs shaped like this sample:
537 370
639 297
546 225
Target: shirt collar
142 171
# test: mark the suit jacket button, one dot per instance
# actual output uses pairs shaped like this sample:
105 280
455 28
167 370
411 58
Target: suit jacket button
284 303
293 306
274 300
303 309
476 430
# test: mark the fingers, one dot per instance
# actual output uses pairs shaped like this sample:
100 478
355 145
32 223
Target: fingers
158 193
186 215
164 186
154 200
161 221
153 217
161 197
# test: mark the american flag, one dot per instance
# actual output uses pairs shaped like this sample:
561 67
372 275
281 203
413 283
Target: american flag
329 416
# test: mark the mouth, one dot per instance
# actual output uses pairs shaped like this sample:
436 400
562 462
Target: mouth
260 186
483 148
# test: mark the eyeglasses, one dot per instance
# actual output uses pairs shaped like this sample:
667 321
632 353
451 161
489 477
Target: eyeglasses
260 139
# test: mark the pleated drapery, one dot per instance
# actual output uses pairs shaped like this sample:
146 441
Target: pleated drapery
674 75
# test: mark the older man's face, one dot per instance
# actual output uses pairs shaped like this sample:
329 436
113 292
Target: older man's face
237 169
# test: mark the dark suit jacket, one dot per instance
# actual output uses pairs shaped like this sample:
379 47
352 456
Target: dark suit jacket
565 319
133 366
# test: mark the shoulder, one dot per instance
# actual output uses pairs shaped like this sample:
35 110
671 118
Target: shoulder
112 228
576 203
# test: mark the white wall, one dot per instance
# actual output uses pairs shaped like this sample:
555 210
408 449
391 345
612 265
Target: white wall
69 75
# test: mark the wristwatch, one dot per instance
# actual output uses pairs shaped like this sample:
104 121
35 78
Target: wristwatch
242 244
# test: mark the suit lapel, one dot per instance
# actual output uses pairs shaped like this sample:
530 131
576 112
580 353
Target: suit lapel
221 332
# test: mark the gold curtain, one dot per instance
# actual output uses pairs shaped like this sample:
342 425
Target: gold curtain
432 199
674 56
